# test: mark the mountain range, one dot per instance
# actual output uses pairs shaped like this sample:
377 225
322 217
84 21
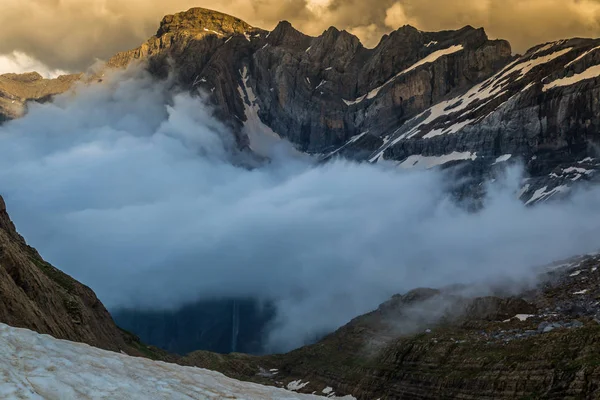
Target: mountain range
417 100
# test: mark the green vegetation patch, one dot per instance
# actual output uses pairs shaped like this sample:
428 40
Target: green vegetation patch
55 274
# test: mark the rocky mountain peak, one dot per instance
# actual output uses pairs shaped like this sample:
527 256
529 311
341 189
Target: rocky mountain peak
334 48
286 35
201 20
333 36
405 30
473 36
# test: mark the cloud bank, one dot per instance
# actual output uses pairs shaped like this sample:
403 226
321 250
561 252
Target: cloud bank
71 34
18 62
134 192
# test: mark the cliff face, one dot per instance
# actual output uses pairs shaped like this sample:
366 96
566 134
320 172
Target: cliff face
307 88
541 109
221 326
328 89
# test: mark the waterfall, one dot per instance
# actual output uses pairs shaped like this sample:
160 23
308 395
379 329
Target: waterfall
235 325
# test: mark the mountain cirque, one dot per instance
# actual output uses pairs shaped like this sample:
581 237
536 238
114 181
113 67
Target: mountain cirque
299 84
418 99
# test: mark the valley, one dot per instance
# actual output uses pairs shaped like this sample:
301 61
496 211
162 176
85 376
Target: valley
306 215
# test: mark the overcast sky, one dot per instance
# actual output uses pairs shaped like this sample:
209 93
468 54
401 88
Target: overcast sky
71 34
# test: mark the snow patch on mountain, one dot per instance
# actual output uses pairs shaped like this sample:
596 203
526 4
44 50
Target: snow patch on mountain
352 102
591 72
434 57
426 60
450 129
525 66
349 142
582 56
261 136
544 194
502 158
426 162
40 367
474 99
297 385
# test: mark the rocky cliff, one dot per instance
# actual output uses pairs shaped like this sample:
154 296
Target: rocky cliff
541 110
307 88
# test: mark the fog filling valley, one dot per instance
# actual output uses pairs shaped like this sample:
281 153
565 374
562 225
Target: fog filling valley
139 194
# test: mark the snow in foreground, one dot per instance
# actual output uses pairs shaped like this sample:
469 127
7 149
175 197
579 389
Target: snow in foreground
34 366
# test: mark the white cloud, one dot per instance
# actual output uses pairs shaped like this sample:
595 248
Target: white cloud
317 5
395 16
19 62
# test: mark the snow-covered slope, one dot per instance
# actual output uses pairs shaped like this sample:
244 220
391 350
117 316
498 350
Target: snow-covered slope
34 366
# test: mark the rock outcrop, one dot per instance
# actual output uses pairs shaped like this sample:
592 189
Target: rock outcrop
543 345
17 89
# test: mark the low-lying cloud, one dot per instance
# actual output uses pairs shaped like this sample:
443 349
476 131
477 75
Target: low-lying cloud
18 63
71 34
134 192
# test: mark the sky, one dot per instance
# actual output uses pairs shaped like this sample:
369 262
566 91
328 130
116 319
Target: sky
137 192
69 35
